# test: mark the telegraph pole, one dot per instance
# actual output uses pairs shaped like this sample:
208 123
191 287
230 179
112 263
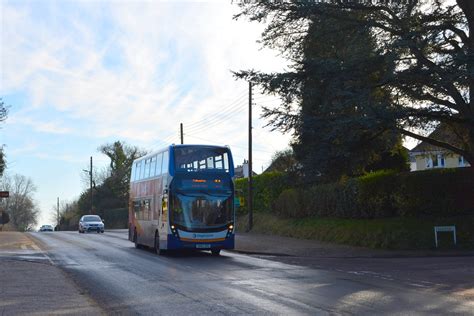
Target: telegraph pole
57 210
181 129
92 193
250 194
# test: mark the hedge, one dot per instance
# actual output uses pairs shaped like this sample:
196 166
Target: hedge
267 187
432 193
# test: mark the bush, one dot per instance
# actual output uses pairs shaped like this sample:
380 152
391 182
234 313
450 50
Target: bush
266 189
382 194
116 218
374 197
288 204
440 192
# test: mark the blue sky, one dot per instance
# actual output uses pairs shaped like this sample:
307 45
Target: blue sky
81 74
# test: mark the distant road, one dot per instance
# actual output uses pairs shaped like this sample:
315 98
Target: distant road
122 279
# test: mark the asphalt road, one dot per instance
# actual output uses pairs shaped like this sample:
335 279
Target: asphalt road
125 280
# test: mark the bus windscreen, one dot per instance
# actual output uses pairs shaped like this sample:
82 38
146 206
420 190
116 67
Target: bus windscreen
196 159
201 211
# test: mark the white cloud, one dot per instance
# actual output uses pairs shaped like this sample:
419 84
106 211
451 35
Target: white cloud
172 64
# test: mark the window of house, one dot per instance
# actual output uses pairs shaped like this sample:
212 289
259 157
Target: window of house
429 162
434 161
441 161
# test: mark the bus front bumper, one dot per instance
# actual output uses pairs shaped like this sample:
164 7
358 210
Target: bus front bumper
176 243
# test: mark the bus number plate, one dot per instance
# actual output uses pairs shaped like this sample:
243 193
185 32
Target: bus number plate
205 246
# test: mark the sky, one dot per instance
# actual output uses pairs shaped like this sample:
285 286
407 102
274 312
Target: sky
80 74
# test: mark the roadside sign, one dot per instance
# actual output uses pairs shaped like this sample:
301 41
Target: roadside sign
4 194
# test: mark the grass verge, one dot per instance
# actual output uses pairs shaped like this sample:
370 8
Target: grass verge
389 233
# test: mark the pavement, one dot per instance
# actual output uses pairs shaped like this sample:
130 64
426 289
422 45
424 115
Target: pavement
31 285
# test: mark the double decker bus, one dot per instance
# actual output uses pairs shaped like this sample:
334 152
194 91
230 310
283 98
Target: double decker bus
183 197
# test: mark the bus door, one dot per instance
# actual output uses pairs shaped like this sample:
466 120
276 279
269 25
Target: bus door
163 218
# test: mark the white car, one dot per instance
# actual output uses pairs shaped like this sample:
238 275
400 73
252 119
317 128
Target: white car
91 223
46 228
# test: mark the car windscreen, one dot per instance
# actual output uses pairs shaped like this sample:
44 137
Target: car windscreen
201 158
91 219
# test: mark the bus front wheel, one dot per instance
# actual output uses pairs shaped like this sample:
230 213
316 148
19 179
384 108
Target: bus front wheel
215 252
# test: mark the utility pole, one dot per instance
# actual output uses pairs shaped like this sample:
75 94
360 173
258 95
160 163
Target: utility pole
92 193
250 196
181 128
57 210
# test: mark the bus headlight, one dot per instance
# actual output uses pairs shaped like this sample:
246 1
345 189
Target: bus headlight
174 231
231 227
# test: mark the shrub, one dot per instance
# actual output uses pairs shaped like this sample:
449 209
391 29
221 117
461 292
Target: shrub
433 193
266 189
330 200
289 204
374 194
440 192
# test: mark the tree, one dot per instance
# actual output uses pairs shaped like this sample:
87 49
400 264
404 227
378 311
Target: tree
3 117
121 158
283 161
420 72
113 191
20 205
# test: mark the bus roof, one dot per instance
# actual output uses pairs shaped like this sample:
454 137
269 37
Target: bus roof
177 146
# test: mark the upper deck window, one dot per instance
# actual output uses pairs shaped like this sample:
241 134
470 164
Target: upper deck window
195 158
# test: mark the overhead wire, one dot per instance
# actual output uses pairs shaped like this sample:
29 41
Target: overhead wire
241 147
236 106
227 107
221 120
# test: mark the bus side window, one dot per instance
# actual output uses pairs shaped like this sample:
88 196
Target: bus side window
158 164
164 167
146 209
153 166
132 175
146 171
136 209
138 171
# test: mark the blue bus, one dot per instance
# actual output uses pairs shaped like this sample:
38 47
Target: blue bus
182 197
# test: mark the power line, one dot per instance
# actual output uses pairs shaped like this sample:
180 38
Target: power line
226 108
221 120
236 105
213 141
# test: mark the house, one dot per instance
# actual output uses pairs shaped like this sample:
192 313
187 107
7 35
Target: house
242 171
426 156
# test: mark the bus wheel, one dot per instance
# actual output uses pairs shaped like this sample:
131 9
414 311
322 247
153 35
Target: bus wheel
215 252
135 240
157 245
